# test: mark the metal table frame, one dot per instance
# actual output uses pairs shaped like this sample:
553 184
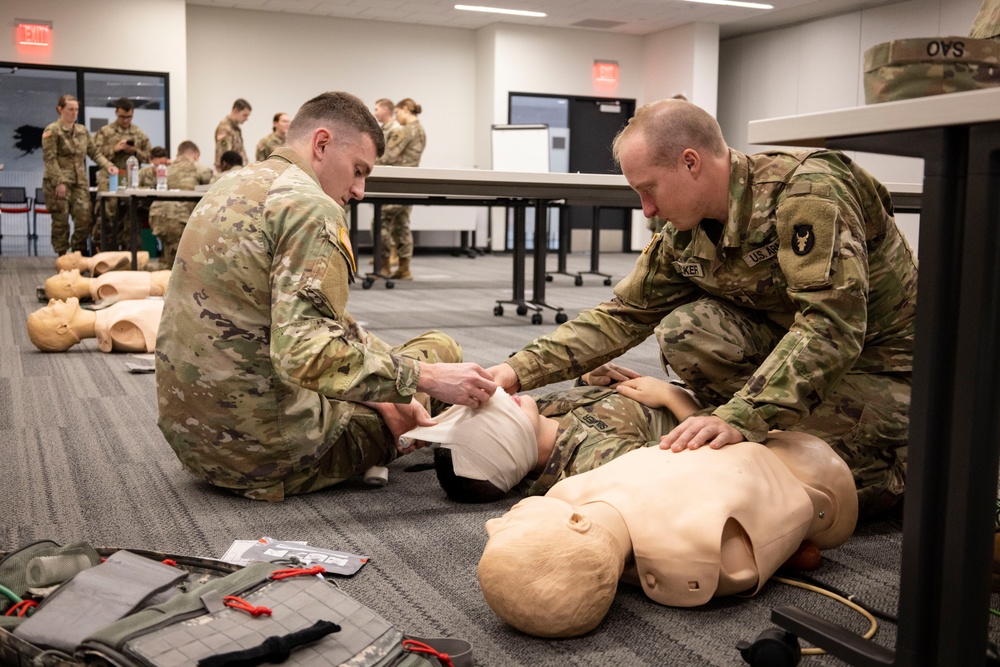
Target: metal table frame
954 444
134 196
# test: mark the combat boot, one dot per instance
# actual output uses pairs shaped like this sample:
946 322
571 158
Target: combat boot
383 270
403 272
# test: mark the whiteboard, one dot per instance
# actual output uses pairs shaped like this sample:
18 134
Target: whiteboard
520 148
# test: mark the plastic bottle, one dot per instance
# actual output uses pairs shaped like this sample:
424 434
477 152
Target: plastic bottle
161 177
132 169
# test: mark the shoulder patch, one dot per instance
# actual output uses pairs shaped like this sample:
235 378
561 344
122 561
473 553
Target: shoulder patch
345 240
46 134
800 188
807 228
220 136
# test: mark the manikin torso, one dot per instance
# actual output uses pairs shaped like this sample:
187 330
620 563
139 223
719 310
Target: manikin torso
129 326
716 522
102 262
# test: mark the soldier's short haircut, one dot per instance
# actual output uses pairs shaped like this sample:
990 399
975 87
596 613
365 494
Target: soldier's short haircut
670 127
231 158
385 102
241 105
124 103
339 109
187 146
63 99
158 152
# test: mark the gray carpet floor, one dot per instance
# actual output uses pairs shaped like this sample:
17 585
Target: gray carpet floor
83 459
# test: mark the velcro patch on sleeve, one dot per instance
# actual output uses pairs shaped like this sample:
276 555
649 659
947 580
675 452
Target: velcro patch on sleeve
807 227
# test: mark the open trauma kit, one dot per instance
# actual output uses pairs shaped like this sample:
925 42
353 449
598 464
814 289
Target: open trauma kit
76 605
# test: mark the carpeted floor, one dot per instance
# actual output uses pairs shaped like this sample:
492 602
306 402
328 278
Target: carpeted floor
83 459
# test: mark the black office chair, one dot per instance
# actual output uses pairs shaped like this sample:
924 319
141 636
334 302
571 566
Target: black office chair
15 201
39 207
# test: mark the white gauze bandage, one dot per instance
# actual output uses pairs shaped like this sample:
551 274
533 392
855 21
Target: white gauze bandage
495 442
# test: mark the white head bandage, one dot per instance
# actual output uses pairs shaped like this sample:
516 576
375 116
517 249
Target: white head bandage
495 443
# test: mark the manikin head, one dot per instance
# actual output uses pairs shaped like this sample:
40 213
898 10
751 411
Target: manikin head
484 453
71 260
50 328
66 284
548 569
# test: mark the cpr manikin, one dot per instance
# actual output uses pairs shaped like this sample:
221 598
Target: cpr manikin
120 285
102 262
686 526
125 326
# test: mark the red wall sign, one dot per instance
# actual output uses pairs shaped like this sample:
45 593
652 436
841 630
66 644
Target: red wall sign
34 34
605 73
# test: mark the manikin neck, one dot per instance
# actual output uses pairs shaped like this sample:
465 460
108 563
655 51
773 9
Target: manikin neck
84 324
81 288
607 516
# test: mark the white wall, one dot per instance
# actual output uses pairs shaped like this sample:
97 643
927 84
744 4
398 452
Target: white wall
683 60
816 66
149 37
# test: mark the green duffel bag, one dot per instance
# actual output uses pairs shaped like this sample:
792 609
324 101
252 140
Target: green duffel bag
908 68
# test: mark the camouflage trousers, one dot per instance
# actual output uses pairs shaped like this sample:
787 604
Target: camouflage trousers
77 204
714 347
367 441
167 221
396 230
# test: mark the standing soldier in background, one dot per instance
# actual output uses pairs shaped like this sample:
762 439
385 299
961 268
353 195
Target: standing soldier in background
385 114
118 141
279 127
228 135
403 148
167 218
65 146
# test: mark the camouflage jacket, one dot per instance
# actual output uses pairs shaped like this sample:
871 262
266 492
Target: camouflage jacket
182 174
65 151
108 137
810 242
987 23
268 144
259 364
596 425
228 137
404 145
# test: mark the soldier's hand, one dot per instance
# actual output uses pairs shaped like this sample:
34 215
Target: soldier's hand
61 191
694 432
401 417
459 384
609 374
504 375
124 146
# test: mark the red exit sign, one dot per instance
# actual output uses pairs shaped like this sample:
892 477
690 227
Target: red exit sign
34 34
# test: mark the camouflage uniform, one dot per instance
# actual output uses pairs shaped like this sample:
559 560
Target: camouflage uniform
799 316
228 137
64 152
268 145
987 22
167 218
261 370
106 139
596 425
391 125
403 148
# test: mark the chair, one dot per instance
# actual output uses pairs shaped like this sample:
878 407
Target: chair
15 201
39 207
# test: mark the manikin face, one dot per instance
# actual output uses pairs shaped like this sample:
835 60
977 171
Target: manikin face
539 513
671 192
59 314
529 407
68 113
71 260
63 284
344 164
281 127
